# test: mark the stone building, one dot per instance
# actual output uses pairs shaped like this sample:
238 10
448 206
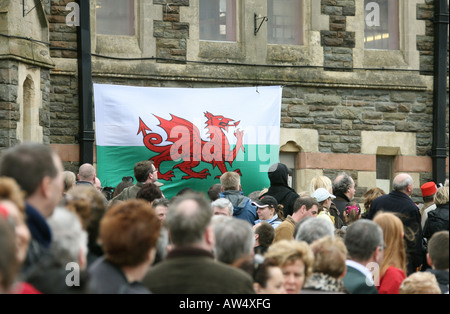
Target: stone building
357 75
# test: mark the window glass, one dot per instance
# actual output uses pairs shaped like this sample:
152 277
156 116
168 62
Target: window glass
217 20
385 171
284 25
115 17
381 24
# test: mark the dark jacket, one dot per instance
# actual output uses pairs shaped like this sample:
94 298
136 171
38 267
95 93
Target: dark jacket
442 277
355 282
280 189
194 271
107 278
243 207
408 212
437 221
340 202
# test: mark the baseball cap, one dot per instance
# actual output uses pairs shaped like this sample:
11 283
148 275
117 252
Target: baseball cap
321 195
265 201
428 189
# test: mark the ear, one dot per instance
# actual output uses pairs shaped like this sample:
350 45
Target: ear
429 261
46 186
257 287
209 236
82 259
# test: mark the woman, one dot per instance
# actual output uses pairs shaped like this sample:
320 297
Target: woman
325 182
268 210
392 270
368 198
268 277
324 198
295 260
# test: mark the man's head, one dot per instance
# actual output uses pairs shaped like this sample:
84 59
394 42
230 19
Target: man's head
87 173
188 221
279 174
428 190
437 256
38 171
344 184
310 229
222 206
404 183
364 242
264 234
230 181
145 172
305 207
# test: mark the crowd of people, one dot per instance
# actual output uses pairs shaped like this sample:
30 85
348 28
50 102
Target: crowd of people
60 232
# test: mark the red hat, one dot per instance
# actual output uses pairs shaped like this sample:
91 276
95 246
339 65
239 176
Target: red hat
428 189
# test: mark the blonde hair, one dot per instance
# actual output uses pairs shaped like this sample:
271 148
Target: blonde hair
420 283
441 197
329 256
230 181
288 251
393 232
320 182
10 190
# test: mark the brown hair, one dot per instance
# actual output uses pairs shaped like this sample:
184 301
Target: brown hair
370 195
128 231
329 256
10 190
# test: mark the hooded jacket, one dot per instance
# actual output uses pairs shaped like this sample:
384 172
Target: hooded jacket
243 207
279 188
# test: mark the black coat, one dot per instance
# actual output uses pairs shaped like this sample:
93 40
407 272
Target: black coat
437 221
408 212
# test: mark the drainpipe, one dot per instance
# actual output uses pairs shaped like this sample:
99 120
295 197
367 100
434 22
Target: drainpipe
439 150
85 87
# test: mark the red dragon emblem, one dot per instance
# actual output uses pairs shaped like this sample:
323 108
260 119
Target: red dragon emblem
184 142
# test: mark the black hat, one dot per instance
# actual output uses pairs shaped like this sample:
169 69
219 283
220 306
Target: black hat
266 200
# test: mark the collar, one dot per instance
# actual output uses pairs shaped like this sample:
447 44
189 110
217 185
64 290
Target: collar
39 228
361 268
188 252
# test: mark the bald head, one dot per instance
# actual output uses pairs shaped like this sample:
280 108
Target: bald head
404 183
86 173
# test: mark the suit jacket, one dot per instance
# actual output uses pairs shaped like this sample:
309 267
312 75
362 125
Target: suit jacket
355 282
194 271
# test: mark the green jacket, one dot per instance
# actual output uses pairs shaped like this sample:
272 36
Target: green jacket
355 282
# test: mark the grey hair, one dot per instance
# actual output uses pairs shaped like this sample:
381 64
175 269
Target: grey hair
342 186
234 239
400 184
362 238
311 229
223 203
68 236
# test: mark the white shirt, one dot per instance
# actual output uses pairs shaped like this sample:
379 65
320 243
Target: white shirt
362 269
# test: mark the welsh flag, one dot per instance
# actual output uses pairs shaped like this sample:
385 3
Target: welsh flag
193 135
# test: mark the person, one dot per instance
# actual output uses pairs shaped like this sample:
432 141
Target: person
214 191
268 277
86 175
311 229
438 219
295 260
125 183
38 171
420 283
324 198
325 182
368 198
222 206
399 201
329 267
161 205
428 191
303 207
190 267
268 210
364 243
144 172
9 265
242 205
70 180
392 270
279 188
234 241
149 192
264 236
344 190
129 232
254 196
437 258
351 214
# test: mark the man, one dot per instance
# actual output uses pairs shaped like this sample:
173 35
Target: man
144 172
222 206
86 175
231 190
303 207
39 172
437 258
399 201
189 267
364 242
264 235
310 229
279 188
344 190
428 190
